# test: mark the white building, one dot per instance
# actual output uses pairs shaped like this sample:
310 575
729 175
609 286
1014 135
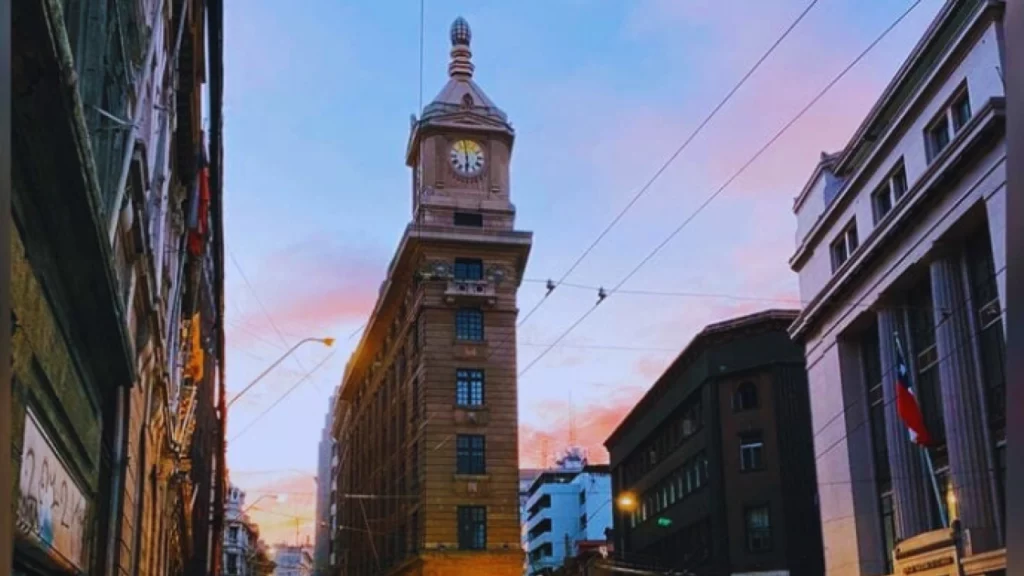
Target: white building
526 478
293 560
325 487
903 232
565 506
241 536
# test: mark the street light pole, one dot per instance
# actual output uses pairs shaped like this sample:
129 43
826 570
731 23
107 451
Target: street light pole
325 341
276 497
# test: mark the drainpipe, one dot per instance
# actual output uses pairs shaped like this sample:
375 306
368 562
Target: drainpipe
129 143
119 462
140 489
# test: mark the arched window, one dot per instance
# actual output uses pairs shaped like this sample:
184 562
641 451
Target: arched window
745 397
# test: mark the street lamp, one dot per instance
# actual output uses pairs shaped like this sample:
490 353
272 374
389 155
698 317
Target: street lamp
325 341
626 501
277 497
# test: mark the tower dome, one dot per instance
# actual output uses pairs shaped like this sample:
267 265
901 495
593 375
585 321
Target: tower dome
460 33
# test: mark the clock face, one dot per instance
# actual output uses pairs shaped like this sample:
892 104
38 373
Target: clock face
466 158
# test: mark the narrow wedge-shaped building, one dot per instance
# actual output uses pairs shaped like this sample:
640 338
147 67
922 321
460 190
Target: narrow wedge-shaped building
426 416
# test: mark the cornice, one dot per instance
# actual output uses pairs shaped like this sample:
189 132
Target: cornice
896 128
983 129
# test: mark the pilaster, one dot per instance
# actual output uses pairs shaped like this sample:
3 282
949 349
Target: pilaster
961 406
909 484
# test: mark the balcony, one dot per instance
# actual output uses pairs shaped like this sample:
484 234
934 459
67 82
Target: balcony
470 290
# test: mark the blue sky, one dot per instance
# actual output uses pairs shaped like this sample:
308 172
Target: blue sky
318 99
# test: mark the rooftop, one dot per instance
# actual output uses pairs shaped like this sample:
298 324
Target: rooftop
704 340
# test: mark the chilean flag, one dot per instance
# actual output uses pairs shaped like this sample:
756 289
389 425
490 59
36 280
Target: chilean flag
906 402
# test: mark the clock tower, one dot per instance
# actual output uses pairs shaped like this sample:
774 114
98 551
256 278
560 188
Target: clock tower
426 419
459 150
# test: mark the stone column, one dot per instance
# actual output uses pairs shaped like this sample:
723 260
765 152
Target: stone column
962 408
910 487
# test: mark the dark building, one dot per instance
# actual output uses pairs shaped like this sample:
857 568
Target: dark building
716 462
117 287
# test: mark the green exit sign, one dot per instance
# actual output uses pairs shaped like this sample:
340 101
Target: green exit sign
664 522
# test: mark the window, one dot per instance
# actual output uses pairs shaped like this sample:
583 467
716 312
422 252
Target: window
414 533
961 111
469 269
751 452
469 325
843 246
414 467
470 457
745 397
472 219
583 497
472 528
938 136
233 534
871 362
469 387
889 193
888 530
583 522
988 324
232 563
759 529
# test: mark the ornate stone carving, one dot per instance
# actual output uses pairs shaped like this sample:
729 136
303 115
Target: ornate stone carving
436 270
497 274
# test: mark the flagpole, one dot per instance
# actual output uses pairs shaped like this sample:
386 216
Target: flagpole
935 486
924 451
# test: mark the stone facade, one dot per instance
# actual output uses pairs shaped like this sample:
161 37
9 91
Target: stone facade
109 278
715 460
426 416
901 243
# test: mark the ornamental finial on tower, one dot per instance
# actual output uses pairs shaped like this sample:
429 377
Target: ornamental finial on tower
461 34
461 65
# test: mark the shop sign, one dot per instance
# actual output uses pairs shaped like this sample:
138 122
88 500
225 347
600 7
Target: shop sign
51 508
930 554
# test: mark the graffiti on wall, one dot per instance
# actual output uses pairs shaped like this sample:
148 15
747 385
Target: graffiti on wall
51 507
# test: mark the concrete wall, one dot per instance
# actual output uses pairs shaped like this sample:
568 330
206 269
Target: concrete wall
849 517
979 69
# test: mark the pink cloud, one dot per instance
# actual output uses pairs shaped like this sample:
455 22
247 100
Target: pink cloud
719 42
593 422
308 289
285 503
650 367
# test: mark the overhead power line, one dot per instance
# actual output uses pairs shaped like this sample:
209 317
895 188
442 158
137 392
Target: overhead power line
280 334
285 395
785 128
671 159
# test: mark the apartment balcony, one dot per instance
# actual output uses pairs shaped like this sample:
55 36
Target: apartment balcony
470 291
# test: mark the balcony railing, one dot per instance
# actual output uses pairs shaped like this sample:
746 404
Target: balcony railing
470 289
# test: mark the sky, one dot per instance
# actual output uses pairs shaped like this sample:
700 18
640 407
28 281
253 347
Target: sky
318 99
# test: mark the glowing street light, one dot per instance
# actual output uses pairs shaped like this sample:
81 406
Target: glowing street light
325 341
626 501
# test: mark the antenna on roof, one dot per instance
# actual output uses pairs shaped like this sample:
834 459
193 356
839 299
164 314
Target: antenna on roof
572 422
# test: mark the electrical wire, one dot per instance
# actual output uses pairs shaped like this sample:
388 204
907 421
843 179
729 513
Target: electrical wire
277 330
785 128
650 182
285 395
